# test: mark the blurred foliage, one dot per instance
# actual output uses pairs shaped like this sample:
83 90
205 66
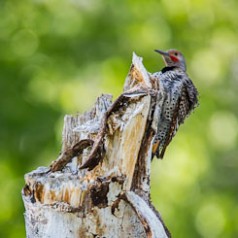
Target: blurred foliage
58 56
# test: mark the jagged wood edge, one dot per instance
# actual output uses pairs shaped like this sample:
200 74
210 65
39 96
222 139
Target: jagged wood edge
97 152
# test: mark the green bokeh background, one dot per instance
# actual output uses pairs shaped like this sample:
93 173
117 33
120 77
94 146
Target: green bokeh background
57 56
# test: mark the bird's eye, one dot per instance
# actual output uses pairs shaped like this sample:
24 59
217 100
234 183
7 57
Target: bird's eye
176 54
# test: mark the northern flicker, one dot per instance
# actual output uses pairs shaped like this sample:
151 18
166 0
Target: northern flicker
180 97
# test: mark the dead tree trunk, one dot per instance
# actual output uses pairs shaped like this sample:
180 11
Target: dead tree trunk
100 184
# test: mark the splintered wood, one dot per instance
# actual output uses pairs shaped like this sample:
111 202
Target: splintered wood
100 184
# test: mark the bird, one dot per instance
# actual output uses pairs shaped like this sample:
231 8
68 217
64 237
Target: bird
180 98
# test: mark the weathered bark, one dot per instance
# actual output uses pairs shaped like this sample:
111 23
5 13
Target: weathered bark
100 184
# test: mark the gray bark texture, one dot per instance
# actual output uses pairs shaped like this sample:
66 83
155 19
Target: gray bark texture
99 186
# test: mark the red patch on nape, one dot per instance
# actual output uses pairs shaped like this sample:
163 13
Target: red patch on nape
174 58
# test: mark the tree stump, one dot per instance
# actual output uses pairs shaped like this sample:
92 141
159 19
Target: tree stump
100 184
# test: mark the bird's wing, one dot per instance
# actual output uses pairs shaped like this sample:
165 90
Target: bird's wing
172 130
184 105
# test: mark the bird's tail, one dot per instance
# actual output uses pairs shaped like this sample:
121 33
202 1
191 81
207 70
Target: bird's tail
157 150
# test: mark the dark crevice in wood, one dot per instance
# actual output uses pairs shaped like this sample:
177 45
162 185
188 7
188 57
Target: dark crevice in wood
140 172
69 154
99 194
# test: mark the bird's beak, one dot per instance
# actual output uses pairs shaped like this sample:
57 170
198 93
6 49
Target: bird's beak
162 52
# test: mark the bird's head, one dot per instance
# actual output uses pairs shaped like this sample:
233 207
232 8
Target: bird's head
173 58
